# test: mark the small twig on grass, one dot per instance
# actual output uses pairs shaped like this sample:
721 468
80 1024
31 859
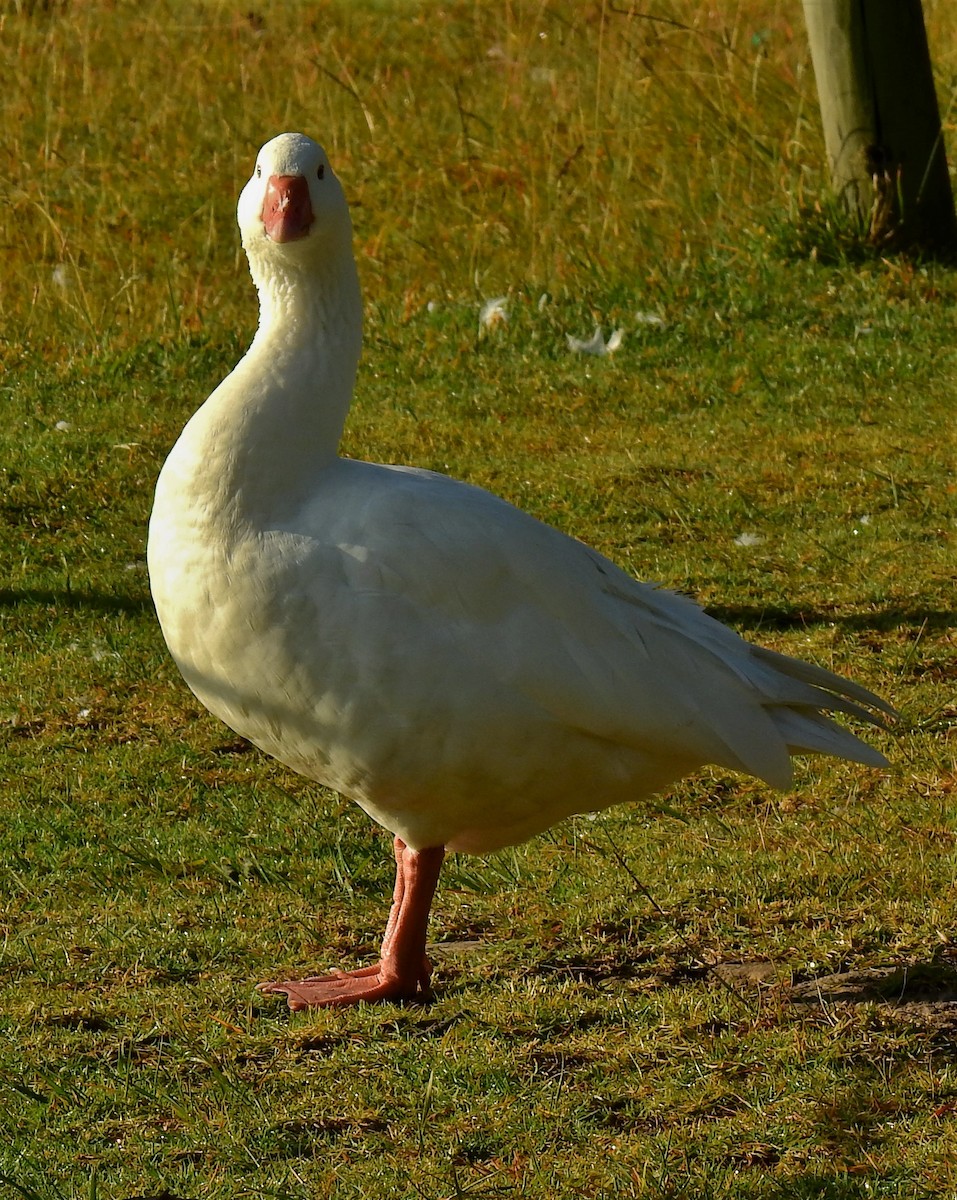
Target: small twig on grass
466 115
350 88
685 944
681 26
912 651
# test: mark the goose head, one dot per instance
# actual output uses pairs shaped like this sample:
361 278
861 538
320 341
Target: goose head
292 213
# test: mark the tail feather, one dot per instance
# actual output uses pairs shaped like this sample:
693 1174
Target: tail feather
800 716
839 694
813 732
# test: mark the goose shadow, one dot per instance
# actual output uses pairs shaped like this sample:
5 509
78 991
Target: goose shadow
755 617
752 617
69 598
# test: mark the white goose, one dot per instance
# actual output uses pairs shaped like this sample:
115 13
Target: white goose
466 674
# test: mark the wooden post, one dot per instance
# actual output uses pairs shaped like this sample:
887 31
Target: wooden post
881 121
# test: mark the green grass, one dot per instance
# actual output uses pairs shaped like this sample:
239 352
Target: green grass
152 869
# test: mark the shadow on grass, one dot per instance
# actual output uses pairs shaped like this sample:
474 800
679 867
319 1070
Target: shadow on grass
755 617
742 616
98 601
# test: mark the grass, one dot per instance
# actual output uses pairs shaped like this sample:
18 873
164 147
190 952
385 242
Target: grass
589 1037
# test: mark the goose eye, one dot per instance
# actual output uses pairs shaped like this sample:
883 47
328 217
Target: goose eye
259 171
321 171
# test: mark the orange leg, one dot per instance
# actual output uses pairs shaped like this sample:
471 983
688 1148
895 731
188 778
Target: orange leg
403 971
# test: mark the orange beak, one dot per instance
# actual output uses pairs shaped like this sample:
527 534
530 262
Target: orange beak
287 209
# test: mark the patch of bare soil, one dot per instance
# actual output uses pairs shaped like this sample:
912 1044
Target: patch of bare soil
922 993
